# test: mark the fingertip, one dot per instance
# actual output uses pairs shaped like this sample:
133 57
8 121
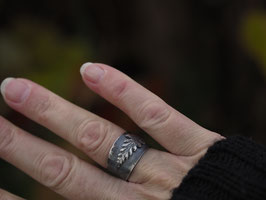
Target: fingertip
83 67
15 90
3 85
91 72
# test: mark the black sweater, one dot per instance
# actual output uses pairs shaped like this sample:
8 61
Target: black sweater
232 169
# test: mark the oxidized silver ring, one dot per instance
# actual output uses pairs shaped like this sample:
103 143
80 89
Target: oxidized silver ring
124 155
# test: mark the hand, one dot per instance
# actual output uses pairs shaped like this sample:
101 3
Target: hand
154 177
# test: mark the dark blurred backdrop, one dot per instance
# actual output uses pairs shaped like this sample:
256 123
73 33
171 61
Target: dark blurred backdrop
206 58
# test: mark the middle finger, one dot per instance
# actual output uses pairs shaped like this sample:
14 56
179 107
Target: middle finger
85 130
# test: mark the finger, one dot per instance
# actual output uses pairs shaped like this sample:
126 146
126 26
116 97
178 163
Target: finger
92 134
8 196
56 168
170 128
83 129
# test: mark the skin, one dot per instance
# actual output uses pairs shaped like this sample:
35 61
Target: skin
154 177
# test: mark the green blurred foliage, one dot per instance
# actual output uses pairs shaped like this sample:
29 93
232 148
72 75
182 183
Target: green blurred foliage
254 34
38 51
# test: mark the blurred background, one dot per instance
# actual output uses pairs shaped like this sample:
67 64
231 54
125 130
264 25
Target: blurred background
206 58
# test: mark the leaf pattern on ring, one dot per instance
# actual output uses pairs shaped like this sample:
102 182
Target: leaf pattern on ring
129 146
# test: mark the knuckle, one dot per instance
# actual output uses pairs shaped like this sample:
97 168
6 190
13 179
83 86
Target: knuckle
152 114
150 192
167 181
119 89
91 135
55 170
158 186
41 107
7 137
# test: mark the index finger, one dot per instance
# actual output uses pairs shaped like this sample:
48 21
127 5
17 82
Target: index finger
170 128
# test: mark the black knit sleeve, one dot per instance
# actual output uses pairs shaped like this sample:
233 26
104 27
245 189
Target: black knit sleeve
232 169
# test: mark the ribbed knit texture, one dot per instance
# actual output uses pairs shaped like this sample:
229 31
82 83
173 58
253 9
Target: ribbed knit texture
232 169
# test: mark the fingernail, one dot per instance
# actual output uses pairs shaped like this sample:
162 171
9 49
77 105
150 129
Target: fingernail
91 72
14 90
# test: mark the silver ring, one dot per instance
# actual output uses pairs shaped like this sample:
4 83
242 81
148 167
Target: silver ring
124 155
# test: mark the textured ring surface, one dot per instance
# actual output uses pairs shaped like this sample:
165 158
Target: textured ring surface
124 155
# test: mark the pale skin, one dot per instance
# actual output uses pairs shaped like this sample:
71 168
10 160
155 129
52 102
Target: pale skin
154 177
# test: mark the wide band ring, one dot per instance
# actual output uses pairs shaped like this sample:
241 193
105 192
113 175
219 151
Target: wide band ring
124 155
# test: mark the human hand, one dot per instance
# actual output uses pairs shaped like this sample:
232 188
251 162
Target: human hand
154 177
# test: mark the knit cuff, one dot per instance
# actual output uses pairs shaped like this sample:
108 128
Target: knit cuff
232 169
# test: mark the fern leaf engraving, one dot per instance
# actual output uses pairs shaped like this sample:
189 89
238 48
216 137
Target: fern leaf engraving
129 146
